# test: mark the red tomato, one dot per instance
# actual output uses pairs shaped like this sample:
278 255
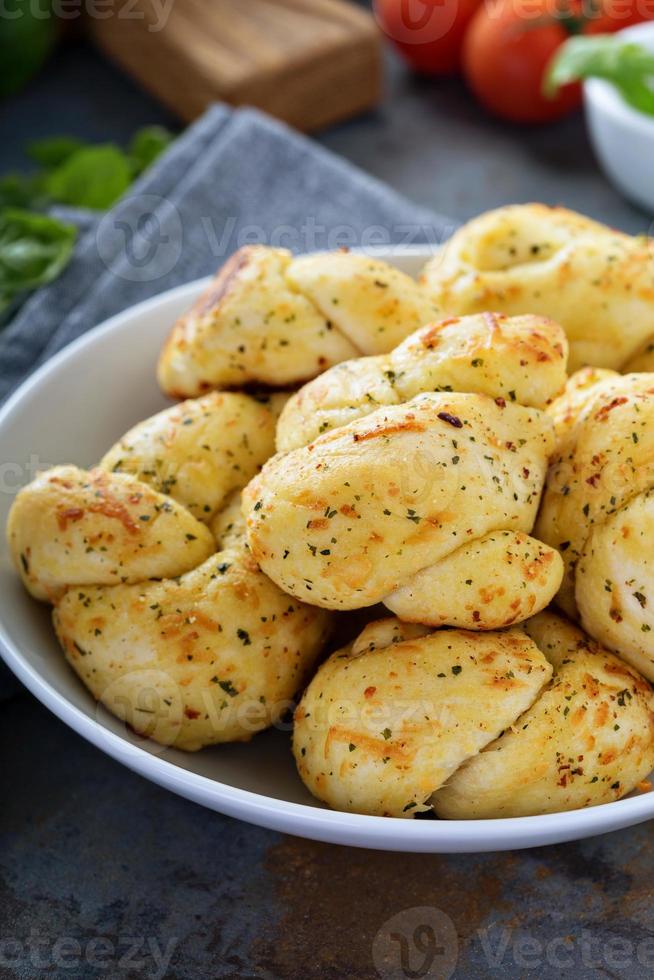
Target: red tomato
613 15
428 33
510 43
505 55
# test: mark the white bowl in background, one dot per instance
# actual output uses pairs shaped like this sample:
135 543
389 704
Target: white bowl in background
71 410
623 137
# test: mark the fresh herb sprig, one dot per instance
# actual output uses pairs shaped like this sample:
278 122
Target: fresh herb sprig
628 66
35 247
81 174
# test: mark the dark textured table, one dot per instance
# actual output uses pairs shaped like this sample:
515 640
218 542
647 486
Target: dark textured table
104 874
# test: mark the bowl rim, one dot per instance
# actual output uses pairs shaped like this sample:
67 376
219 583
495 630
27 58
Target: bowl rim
313 821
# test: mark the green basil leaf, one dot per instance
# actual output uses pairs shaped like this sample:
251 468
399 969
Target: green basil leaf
93 177
26 39
147 144
34 248
629 67
21 191
54 150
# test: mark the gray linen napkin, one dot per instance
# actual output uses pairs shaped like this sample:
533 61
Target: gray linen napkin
233 178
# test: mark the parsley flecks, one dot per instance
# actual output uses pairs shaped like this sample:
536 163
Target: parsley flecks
227 686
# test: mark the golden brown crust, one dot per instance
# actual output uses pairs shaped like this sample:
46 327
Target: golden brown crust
382 725
370 302
188 645
365 509
492 582
597 510
587 739
71 527
402 720
520 359
596 282
200 451
270 319
213 656
250 326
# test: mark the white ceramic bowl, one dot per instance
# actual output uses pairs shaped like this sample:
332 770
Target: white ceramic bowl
623 138
72 410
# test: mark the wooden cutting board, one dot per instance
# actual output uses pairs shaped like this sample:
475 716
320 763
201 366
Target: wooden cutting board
308 62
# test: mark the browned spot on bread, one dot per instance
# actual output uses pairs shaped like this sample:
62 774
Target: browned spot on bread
601 715
58 482
205 621
430 336
223 282
379 748
69 514
386 430
603 412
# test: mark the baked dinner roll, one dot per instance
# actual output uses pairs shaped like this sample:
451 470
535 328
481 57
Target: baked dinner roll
387 720
519 359
369 511
370 302
579 388
598 510
268 318
201 450
473 725
528 258
499 579
587 739
215 655
167 619
72 527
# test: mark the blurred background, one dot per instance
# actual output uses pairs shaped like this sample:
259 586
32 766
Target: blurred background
440 98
